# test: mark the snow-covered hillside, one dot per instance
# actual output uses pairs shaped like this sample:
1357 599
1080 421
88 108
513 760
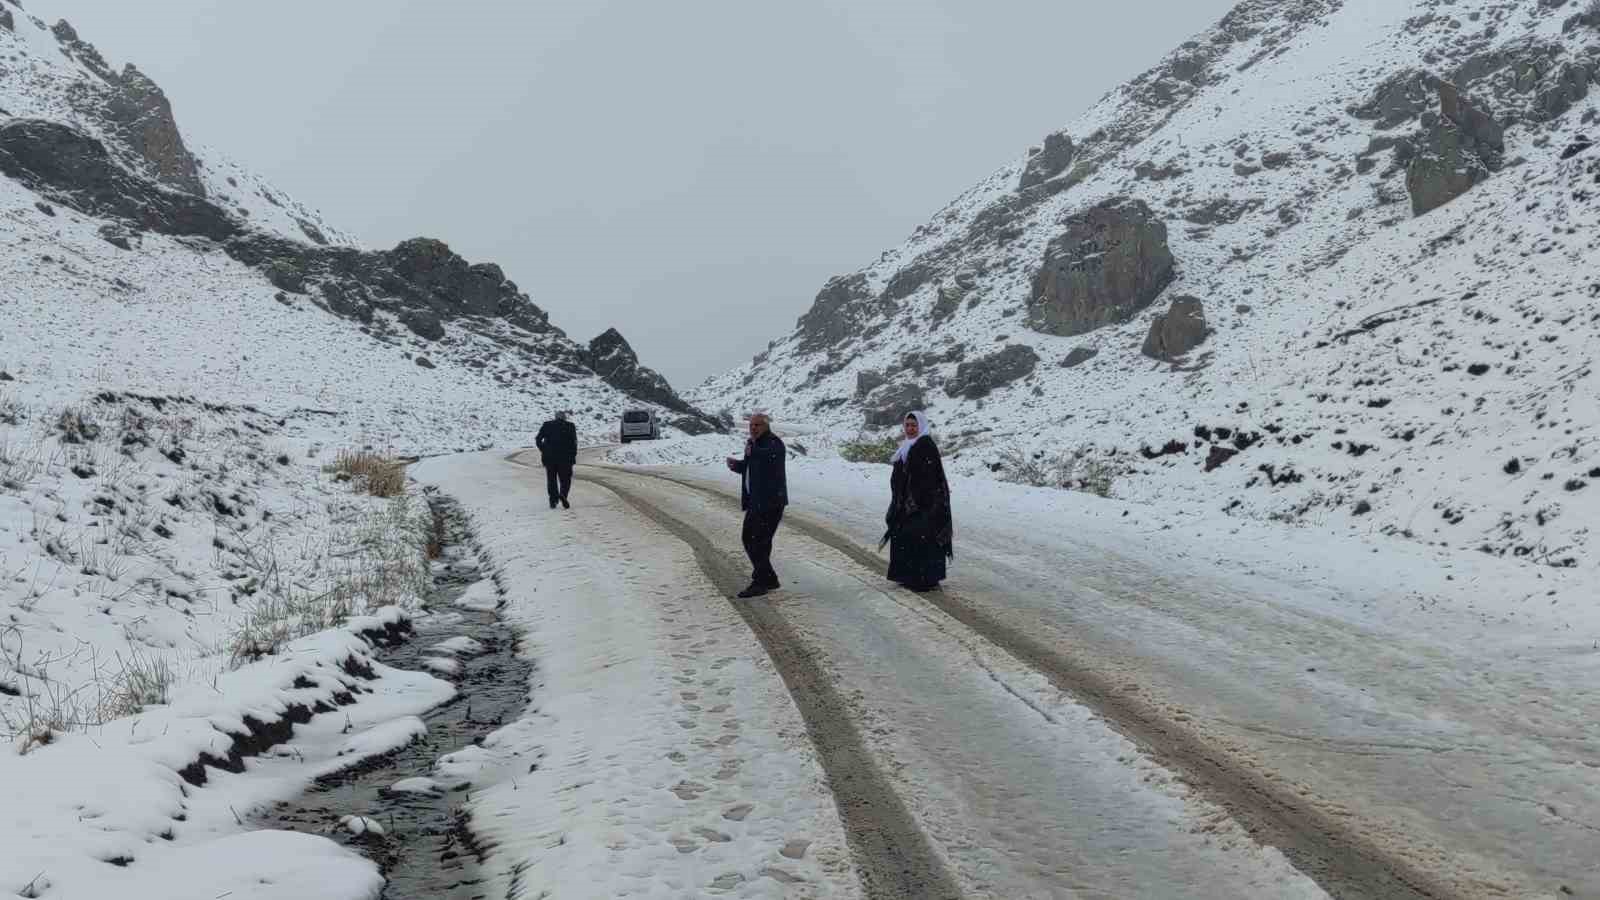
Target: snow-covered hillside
1329 262
129 260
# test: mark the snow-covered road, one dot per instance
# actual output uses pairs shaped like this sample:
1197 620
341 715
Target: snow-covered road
1076 715
1388 752
1020 791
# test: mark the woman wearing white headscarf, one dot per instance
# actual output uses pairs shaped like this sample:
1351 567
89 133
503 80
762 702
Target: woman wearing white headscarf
920 525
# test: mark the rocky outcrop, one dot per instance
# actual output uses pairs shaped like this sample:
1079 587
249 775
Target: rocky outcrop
421 281
145 124
839 312
613 359
134 113
888 405
6 21
980 377
1049 162
1177 331
868 381
75 170
1077 356
1462 147
1111 262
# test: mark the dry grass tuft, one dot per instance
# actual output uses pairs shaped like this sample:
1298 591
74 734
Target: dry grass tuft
374 473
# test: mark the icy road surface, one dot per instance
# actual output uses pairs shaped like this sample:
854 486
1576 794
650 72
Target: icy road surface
1388 749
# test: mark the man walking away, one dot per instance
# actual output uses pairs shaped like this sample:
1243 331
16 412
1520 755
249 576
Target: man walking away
558 450
763 495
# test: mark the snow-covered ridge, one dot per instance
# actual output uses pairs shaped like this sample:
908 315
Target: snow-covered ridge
48 71
106 205
1358 366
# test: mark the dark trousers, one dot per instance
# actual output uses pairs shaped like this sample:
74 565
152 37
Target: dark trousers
558 478
759 527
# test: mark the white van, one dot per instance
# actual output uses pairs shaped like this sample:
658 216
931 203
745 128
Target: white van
639 425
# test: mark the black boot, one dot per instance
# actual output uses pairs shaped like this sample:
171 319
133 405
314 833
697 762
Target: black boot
754 590
565 504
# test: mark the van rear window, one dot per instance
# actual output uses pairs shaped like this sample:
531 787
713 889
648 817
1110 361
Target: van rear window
635 417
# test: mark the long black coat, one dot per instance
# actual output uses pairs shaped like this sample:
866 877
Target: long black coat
921 528
557 443
765 487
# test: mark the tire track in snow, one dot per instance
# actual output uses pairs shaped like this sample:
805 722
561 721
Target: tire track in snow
1334 852
895 859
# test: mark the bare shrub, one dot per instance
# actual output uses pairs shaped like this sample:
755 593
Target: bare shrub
49 707
12 411
20 462
1079 470
374 473
868 449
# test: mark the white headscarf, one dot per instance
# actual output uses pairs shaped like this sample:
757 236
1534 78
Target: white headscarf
906 443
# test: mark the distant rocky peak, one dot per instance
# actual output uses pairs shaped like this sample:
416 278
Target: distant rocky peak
614 360
134 114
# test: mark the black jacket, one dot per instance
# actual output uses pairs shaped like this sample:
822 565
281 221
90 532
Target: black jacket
766 485
557 443
920 508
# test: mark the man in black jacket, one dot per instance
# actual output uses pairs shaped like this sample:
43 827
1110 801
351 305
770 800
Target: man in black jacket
558 450
763 495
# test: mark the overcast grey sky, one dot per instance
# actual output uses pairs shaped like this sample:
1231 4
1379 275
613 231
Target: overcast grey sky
688 172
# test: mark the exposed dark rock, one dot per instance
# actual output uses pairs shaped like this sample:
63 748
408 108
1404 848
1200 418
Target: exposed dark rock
1459 150
980 377
425 362
908 281
116 236
313 232
143 121
285 275
1570 86
75 170
6 21
1177 331
1221 211
1078 356
1218 456
1473 122
1447 165
1151 172
611 358
1111 262
1400 99
840 311
1054 159
888 405
45 208
868 381
950 297
1276 160
134 113
424 323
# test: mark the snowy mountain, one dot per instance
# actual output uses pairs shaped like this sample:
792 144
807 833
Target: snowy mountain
131 260
1329 262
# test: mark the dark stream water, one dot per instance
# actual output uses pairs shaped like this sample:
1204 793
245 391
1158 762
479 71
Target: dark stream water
427 851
